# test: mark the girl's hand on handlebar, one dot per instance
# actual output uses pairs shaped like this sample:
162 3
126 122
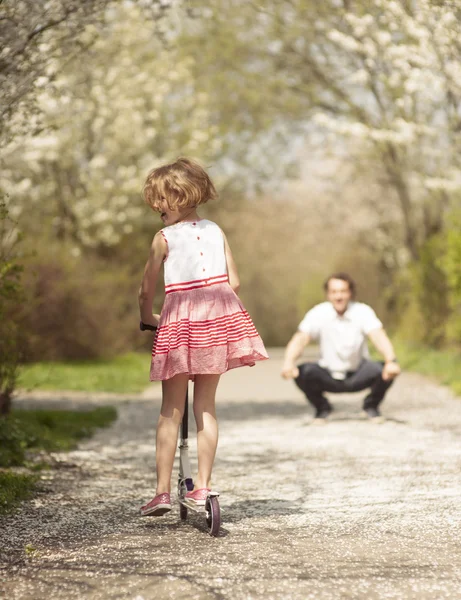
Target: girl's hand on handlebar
150 324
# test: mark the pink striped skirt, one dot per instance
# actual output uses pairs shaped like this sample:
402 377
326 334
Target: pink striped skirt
204 331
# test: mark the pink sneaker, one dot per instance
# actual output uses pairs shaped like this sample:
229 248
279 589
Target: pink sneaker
198 496
157 507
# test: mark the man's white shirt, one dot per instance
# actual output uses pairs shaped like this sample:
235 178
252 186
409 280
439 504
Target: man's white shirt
342 338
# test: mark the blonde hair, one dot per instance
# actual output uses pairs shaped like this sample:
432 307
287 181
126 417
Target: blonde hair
184 184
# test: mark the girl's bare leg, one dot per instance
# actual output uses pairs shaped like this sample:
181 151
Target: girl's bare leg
207 426
173 402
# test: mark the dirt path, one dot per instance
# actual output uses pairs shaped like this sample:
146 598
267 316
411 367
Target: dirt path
348 510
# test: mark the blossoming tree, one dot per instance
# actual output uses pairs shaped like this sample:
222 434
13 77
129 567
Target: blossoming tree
105 121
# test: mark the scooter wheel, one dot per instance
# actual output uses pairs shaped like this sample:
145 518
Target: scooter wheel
183 512
213 515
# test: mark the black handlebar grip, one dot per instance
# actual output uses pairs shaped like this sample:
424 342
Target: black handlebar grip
145 327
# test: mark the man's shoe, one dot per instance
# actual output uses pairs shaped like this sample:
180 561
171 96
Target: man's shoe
373 414
321 416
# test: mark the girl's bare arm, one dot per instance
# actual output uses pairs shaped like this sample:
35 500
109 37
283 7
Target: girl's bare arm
234 280
158 251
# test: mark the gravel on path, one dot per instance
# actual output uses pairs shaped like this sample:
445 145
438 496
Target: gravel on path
348 510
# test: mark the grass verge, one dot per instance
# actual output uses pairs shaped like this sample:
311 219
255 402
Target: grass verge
124 374
48 430
25 432
14 488
443 365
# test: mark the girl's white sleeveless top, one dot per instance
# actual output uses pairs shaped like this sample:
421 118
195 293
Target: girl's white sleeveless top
196 256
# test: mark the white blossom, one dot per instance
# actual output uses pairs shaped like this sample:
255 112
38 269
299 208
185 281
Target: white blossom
345 41
442 184
360 77
383 38
41 82
119 109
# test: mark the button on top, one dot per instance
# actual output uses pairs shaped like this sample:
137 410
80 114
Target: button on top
194 223
198 237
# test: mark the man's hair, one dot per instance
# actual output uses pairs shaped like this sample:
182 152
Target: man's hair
343 277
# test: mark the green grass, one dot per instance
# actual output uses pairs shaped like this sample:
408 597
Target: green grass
49 430
443 365
14 488
124 374
24 432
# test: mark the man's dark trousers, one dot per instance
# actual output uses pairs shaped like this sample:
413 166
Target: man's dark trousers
314 380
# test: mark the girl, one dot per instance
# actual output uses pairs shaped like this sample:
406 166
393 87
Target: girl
203 330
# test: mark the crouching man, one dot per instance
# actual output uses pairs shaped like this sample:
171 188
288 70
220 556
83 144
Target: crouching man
341 326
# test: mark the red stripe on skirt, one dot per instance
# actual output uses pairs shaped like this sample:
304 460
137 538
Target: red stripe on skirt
200 339
203 333
217 320
195 287
224 276
215 344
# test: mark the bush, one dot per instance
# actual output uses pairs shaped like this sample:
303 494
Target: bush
433 293
79 307
13 442
10 297
450 262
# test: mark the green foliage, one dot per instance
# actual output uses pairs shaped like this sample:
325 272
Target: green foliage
49 430
80 307
409 320
449 261
14 488
10 297
423 302
14 443
445 366
24 431
452 260
432 293
128 373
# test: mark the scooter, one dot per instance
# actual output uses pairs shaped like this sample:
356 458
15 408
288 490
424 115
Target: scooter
211 508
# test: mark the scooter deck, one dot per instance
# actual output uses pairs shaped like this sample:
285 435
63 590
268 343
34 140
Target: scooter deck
190 504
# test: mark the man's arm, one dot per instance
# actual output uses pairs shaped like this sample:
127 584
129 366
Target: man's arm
293 351
384 346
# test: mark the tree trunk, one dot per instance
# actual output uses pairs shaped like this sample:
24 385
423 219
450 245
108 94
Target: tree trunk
397 180
5 403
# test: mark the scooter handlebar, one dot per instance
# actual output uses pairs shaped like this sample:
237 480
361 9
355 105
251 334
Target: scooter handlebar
145 327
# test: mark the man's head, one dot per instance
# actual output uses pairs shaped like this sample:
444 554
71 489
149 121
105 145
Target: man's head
340 289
